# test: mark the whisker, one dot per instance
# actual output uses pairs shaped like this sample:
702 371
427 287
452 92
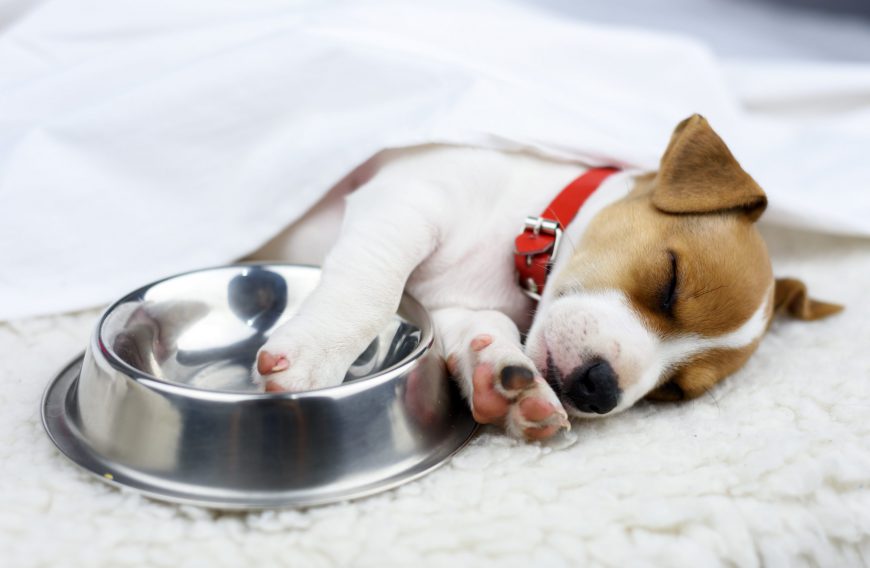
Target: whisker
704 291
710 393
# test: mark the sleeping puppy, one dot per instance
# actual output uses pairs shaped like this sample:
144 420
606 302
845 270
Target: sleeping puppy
661 287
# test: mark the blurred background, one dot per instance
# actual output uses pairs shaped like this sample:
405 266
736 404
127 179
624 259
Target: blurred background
824 30
830 30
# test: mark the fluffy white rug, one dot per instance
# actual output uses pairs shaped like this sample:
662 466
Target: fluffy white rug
772 469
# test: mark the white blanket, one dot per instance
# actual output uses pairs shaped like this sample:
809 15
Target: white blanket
141 139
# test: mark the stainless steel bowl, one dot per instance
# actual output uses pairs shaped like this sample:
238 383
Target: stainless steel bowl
162 400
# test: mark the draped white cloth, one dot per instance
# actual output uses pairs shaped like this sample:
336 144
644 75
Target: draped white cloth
138 139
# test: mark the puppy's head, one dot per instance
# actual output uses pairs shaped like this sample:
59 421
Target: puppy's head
669 290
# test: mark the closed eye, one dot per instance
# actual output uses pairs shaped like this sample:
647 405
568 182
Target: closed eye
668 298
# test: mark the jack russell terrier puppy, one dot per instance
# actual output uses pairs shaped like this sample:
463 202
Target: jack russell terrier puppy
661 285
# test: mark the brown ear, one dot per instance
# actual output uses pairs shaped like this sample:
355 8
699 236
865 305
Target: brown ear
790 295
698 174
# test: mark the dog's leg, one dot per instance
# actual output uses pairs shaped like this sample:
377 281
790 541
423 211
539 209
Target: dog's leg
500 382
359 291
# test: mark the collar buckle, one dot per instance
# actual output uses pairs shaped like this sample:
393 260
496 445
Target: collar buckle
539 226
537 245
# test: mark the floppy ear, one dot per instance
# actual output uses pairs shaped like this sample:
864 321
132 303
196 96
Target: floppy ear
698 174
790 295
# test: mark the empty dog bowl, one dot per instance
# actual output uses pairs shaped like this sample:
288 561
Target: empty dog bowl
162 399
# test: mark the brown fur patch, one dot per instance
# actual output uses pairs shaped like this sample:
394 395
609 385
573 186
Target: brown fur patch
702 373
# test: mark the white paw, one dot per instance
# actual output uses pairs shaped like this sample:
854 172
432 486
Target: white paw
506 388
298 362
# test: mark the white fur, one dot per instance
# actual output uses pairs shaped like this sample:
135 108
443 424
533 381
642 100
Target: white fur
588 325
440 222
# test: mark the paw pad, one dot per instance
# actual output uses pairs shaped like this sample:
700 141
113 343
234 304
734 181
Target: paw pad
515 378
481 342
268 363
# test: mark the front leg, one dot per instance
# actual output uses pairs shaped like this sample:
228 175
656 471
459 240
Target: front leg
359 291
500 382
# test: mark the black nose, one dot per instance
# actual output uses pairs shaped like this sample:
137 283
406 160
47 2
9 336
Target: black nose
593 387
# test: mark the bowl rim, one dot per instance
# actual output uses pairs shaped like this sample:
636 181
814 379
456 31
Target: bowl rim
427 340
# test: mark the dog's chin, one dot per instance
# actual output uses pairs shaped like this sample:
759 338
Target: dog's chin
553 376
574 413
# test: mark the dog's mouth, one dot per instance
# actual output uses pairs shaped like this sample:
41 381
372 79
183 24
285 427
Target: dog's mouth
553 376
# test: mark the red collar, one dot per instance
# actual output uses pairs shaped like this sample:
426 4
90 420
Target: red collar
537 245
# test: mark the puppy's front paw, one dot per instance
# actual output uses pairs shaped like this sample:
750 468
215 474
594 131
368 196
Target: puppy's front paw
296 364
507 390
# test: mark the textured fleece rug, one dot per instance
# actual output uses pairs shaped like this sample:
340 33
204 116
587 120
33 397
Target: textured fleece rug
771 469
